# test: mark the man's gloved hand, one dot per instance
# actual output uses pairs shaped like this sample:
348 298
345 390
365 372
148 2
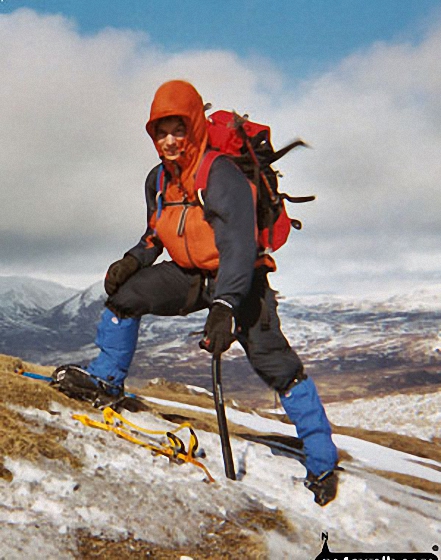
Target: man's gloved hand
119 272
218 335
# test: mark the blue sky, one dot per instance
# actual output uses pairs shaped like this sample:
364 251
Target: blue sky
360 81
300 36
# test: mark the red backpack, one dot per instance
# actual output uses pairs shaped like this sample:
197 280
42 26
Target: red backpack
249 146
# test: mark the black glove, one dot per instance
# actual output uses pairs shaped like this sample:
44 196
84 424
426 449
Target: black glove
119 272
218 335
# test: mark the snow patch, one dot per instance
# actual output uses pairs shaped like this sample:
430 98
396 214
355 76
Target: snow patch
410 415
119 487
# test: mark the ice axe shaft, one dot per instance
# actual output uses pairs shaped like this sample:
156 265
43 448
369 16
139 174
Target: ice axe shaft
221 417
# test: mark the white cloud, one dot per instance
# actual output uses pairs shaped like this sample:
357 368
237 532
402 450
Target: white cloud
374 124
74 152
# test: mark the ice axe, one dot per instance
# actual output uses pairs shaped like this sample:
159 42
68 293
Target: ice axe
220 413
221 417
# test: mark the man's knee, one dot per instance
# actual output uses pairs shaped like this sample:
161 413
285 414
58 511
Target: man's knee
291 380
279 369
125 304
121 313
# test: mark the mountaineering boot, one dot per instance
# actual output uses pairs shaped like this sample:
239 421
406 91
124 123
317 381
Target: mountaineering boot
305 410
324 486
116 338
78 383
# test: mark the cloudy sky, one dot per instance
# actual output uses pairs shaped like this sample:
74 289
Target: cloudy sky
360 82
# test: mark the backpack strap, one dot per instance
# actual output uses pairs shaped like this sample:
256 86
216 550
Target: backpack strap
203 172
160 178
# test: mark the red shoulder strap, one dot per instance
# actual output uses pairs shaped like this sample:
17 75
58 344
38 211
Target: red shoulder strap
204 169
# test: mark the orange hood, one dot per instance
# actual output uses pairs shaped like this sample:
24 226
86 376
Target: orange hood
179 98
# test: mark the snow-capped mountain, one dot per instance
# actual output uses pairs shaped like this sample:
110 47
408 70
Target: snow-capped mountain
66 322
24 296
23 303
379 345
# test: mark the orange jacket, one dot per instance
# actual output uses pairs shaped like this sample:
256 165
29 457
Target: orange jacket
221 235
182 229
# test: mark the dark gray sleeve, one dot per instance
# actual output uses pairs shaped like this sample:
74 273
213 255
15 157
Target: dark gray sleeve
145 251
229 209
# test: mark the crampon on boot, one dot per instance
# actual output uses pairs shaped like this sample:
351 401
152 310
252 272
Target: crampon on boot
324 487
77 383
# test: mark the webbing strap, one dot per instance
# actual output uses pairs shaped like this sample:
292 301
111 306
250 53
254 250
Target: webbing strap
159 188
204 169
175 450
201 179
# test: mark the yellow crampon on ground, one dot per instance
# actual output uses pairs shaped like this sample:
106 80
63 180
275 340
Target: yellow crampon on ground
175 450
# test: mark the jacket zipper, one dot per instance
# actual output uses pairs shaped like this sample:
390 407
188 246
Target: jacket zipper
181 230
182 220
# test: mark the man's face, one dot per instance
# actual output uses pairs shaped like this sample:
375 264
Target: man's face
170 136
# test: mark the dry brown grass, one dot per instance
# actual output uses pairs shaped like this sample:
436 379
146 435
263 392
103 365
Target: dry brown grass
240 536
409 480
24 392
20 438
11 364
375 383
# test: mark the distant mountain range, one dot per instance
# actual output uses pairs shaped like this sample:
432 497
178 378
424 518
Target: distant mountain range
377 345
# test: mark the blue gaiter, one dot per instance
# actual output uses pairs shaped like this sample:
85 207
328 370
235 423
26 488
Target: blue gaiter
305 410
116 338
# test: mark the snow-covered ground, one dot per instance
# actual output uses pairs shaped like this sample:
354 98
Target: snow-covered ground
406 414
123 489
